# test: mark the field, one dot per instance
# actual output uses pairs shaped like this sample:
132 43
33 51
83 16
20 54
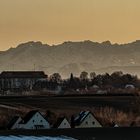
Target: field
66 103
102 106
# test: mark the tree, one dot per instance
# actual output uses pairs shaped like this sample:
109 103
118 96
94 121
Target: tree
92 75
84 75
71 77
117 79
56 77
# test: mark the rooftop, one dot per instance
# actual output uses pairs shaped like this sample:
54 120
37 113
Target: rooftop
23 74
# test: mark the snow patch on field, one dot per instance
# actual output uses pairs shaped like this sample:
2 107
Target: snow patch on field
34 138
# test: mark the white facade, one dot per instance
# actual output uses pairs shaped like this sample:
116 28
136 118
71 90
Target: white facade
88 122
36 122
64 124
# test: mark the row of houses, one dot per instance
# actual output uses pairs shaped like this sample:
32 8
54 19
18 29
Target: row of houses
35 120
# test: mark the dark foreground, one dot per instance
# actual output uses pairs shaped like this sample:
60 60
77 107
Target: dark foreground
82 134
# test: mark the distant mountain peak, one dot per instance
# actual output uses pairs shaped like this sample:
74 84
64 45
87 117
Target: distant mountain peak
108 43
71 57
32 44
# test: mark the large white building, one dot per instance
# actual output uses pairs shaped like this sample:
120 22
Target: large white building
20 80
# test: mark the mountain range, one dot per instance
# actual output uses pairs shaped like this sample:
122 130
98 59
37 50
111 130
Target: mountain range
73 57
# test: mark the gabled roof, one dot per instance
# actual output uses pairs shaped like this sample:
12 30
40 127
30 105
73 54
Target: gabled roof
82 116
29 116
58 122
12 122
23 74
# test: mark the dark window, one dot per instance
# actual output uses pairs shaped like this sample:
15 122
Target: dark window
93 122
41 121
64 123
86 122
33 120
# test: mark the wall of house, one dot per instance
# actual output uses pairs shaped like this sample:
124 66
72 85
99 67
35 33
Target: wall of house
89 121
64 124
36 120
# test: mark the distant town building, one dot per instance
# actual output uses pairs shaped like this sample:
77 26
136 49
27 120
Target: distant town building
86 119
34 120
62 123
95 87
101 92
20 80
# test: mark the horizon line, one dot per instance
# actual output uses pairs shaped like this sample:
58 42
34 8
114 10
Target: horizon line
69 41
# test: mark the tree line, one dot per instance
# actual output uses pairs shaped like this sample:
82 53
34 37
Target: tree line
86 80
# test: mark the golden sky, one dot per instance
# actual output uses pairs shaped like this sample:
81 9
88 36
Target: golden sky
55 21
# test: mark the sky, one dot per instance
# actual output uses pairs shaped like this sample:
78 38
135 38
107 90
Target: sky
56 21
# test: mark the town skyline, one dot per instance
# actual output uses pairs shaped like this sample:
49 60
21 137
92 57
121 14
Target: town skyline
53 22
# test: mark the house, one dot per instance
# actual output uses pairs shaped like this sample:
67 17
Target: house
86 119
14 123
34 120
20 80
62 123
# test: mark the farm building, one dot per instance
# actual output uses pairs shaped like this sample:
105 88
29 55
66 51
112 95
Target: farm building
86 119
62 123
34 120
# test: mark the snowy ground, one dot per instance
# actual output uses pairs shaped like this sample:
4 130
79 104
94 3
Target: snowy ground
34 138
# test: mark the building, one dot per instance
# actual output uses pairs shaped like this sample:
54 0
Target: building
86 119
20 80
62 123
34 120
14 123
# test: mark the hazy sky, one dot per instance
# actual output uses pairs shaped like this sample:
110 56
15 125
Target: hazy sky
55 21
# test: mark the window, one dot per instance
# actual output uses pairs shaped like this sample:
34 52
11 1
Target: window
33 121
64 123
93 122
86 122
41 121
